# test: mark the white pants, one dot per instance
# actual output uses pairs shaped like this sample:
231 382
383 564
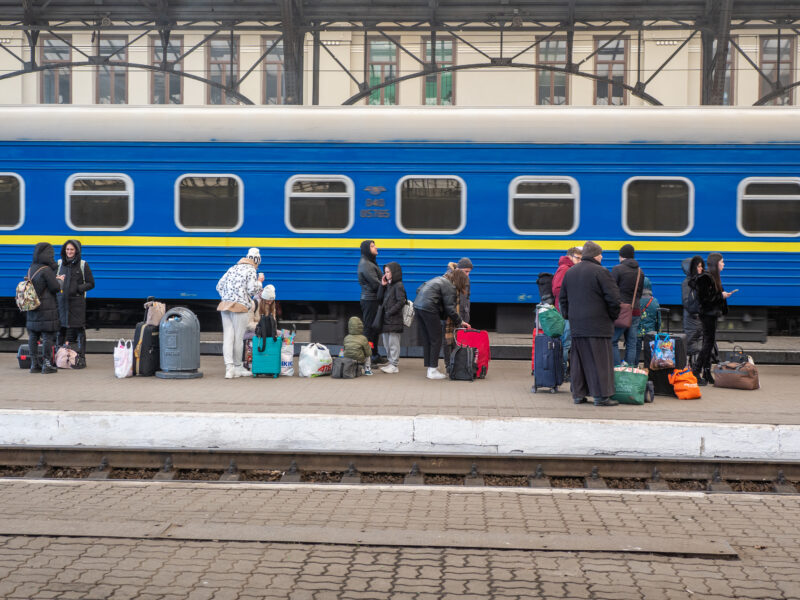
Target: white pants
234 324
391 341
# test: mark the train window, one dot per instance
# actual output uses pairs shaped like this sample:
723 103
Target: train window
12 201
543 205
431 204
319 203
769 206
658 206
99 201
209 202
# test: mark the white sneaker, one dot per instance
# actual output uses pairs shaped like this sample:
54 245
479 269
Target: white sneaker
390 369
229 370
435 374
241 372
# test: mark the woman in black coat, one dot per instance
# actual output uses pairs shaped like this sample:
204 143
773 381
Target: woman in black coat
392 298
713 300
42 323
76 279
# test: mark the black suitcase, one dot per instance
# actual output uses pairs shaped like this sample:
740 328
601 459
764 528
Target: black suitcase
146 353
24 355
548 368
462 363
660 377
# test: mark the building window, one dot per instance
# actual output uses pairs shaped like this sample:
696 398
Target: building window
440 87
552 85
166 88
112 80
431 204
56 83
223 68
610 62
274 75
543 205
99 201
209 202
658 206
727 94
382 60
319 203
769 206
777 64
12 201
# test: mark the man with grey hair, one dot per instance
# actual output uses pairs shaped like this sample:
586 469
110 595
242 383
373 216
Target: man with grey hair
589 298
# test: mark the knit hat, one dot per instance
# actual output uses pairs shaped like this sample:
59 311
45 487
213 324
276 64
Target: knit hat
465 263
255 255
590 250
626 251
268 293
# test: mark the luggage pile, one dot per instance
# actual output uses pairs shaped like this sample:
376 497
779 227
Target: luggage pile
547 367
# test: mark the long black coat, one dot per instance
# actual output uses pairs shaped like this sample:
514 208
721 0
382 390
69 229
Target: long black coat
369 273
44 318
393 298
72 299
589 298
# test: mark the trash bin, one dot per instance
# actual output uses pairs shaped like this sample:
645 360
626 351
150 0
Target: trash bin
179 340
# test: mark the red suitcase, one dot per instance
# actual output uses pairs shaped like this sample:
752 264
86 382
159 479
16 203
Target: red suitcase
479 340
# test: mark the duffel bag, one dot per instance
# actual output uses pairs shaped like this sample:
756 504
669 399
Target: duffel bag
735 375
685 384
345 368
630 385
551 321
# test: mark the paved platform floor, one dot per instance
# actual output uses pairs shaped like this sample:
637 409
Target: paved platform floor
763 530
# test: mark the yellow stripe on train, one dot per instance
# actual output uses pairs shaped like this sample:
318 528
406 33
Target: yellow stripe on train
397 244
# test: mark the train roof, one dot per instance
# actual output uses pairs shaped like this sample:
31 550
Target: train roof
541 125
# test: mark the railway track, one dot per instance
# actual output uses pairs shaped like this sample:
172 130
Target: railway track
412 469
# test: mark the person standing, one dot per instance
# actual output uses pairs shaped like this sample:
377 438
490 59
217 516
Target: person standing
713 301
566 262
692 326
76 279
589 298
42 323
392 296
630 280
236 289
369 278
462 307
650 319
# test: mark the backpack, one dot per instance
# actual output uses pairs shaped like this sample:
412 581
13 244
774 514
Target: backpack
267 328
26 297
545 283
83 272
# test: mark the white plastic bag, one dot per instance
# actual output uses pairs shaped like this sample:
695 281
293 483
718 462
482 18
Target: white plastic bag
287 353
123 359
315 360
408 313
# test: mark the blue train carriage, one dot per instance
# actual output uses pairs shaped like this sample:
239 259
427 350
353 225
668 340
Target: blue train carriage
164 199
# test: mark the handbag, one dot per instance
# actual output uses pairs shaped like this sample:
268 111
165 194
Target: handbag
630 385
684 383
66 358
408 313
735 375
625 317
377 322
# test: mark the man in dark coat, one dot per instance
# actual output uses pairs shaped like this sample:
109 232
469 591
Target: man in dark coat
589 298
369 277
42 323
76 279
626 274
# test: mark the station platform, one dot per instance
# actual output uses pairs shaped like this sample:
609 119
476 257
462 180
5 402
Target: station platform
402 412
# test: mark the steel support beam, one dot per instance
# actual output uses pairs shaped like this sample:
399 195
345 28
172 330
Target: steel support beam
293 46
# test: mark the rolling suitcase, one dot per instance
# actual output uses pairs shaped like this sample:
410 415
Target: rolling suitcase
267 356
548 365
479 341
536 332
24 355
146 353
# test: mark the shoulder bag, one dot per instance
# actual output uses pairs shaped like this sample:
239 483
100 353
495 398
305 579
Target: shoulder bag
625 317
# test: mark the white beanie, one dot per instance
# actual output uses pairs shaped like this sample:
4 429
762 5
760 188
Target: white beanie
268 293
254 255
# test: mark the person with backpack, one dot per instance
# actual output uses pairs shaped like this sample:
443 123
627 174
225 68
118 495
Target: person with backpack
392 296
566 262
713 301
76 279
692 327
42 322
650 320
369 278
462 307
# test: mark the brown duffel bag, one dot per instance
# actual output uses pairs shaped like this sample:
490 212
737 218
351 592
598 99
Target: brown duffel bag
735 375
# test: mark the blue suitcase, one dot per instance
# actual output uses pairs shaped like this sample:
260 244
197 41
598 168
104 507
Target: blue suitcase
548 369
266 356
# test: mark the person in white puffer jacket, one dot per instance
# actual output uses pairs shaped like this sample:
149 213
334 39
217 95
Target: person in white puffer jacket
236 290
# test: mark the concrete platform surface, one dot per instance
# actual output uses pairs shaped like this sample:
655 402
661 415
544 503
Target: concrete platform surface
762 531
404 412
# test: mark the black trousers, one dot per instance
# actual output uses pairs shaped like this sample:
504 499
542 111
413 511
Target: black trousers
709 323
591 367
48 338
430 334
369 308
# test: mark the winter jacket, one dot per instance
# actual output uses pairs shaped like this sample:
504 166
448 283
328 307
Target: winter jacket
438 296
625 277
45 317
712 303
589 298
651 318
564 263
369 273
356 345
237 286
463 301
393 298
77 281
691 304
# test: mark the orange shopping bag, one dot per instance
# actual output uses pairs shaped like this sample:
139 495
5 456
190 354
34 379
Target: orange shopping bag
685 384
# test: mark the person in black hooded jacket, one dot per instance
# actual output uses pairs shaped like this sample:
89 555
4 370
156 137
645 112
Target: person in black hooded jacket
369 278
392 297
692 327
713 301
76 279
42 323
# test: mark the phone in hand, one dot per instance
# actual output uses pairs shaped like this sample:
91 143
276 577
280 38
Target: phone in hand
734 291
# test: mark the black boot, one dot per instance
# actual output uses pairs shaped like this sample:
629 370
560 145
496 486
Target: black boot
36 364
80 361
700 380
707 376
48 367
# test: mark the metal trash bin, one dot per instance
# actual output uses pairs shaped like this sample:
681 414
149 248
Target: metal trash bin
179 340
